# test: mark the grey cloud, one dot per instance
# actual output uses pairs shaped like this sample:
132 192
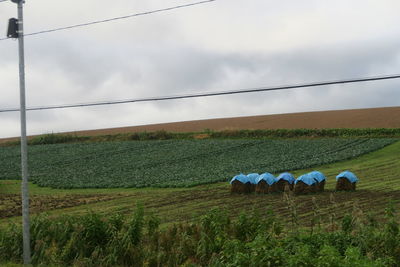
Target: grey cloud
179 53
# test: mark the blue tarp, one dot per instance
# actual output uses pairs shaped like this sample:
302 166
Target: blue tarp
319 176
241 178
307 179
349 175
253 177
287 177
267 177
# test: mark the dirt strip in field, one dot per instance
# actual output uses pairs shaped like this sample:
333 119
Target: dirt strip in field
10 204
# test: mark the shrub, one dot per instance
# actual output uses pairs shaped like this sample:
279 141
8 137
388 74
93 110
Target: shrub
214 240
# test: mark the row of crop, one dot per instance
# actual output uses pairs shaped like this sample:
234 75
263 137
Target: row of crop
135 167
174 163
164 135
213 240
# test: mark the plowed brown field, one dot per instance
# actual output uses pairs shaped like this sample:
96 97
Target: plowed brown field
388 117
355 118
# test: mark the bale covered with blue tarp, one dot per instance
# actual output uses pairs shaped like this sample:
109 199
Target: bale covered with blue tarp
266 183
253 180
346 181
240 184
320 178
305 184
283 180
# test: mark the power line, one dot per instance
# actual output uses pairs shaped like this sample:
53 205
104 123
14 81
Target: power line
206 94
116 18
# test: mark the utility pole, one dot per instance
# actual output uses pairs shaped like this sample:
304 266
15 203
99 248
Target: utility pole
24 146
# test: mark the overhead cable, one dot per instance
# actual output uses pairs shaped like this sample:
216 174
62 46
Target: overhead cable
116 18
205 94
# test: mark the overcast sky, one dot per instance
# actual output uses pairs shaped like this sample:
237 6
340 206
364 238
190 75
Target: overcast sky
222 45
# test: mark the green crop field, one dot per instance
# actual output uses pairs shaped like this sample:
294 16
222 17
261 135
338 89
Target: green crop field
180 226
175 163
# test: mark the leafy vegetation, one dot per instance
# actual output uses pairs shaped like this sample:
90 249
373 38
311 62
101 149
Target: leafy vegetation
378 172
329 229
213 240
175 163
290 133
207 133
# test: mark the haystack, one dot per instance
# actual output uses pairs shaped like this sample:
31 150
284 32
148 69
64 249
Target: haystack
240 184
281 184
252 178
238 187
301 188
252 187
262 187
283 180
320 178
321 186
346 181
249 187
266 183
273 188
305 184
343 184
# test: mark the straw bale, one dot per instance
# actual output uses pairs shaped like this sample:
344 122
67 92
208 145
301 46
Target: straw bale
262 187
236 186
249 187
239 187
281 185
273 188
343 184
321 186
303 188
252 187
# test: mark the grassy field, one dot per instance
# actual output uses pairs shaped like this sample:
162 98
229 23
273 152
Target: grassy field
105 227
379 174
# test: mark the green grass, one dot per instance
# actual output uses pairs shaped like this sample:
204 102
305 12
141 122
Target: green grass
175 163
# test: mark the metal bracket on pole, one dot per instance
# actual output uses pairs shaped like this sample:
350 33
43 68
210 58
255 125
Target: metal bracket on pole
12 31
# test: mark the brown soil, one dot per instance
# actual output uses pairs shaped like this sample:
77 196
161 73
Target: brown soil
343 202
356 118
205 199
10 204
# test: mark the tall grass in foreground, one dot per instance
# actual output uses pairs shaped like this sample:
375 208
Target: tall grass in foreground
214 240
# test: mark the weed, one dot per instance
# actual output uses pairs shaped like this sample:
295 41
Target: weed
214 240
